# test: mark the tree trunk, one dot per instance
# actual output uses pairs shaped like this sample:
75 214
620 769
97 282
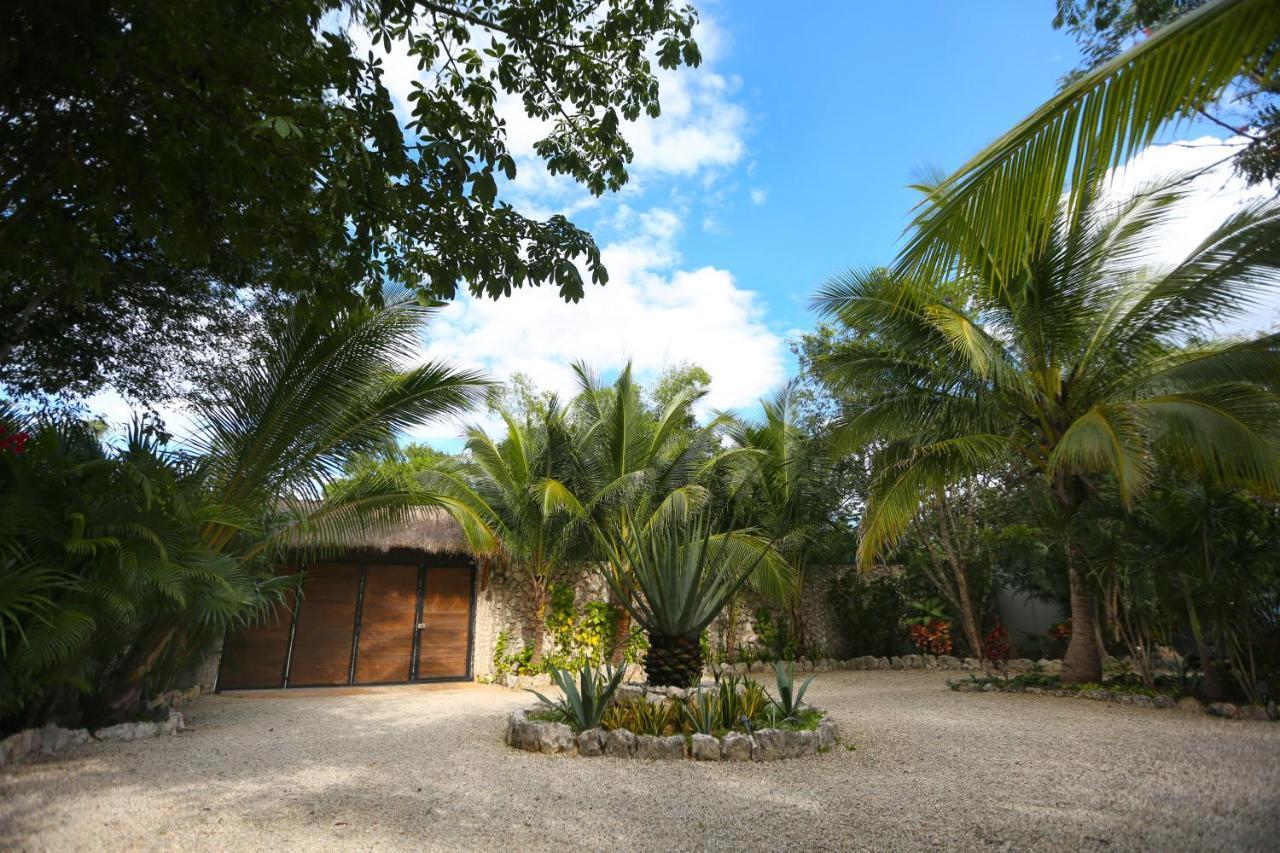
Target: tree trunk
960 575
1083 661
127 692
673 661
731 631
1213 691
539 590
620 635
968 622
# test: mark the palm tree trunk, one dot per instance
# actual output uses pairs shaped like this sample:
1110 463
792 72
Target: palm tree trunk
620 635
673 661
1212 687
1083 661
539 590
127 692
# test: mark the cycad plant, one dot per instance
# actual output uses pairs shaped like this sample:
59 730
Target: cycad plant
1074 361
675 577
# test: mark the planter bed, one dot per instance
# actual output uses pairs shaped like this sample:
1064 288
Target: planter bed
526 732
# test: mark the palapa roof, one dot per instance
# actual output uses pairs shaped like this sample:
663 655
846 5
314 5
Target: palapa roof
428 529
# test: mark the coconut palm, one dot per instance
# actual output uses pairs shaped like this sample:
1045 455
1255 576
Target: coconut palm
509 498
1003 203
782 496
675 575
1074 362
634 464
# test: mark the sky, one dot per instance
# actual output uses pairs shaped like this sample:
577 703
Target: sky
782 160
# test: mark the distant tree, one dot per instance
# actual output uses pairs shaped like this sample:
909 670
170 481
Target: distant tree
1106 28
674 380
158 158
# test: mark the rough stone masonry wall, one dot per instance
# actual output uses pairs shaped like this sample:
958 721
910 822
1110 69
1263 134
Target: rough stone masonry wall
504 603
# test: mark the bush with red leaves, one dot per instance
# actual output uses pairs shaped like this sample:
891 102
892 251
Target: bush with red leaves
933 637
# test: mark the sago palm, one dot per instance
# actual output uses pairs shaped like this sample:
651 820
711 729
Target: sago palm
1074 361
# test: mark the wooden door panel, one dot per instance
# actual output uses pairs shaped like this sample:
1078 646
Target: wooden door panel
446 612
389 607
326 620
254 657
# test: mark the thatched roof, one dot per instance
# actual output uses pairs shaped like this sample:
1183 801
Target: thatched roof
430 529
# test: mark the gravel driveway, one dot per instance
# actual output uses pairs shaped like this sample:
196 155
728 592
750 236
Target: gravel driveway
425 767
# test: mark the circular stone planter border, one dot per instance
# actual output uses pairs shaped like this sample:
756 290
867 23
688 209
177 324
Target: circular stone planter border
763 745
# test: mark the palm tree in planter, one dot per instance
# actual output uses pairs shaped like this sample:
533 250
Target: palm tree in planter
1075 362
675 575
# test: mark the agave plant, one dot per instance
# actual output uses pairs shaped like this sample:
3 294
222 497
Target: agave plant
702 711
741 700
789 699
583 703
675 577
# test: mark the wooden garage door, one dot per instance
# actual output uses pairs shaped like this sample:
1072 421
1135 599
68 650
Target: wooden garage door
388 611
444 641
326 624
255 656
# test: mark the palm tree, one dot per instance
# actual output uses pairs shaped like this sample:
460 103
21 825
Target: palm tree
1002 204
636 465
675 575
1073 361
281 431
509 498
782 496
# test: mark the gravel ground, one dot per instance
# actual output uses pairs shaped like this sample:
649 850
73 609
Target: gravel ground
425 767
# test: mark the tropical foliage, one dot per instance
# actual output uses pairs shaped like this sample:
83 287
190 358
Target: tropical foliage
1069 362
675 576
123 562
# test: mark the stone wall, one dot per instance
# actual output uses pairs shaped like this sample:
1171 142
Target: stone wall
503 603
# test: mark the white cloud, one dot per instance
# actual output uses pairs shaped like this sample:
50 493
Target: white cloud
759 196
651 312
1211 198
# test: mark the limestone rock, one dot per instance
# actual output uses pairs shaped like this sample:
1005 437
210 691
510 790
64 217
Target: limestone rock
948 662
828 732
1224 709
591 742
772 744
882 663
554 737
1254 712
620 743
895 662
705 748
654 747
738 747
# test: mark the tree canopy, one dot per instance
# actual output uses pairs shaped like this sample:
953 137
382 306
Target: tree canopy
159 159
